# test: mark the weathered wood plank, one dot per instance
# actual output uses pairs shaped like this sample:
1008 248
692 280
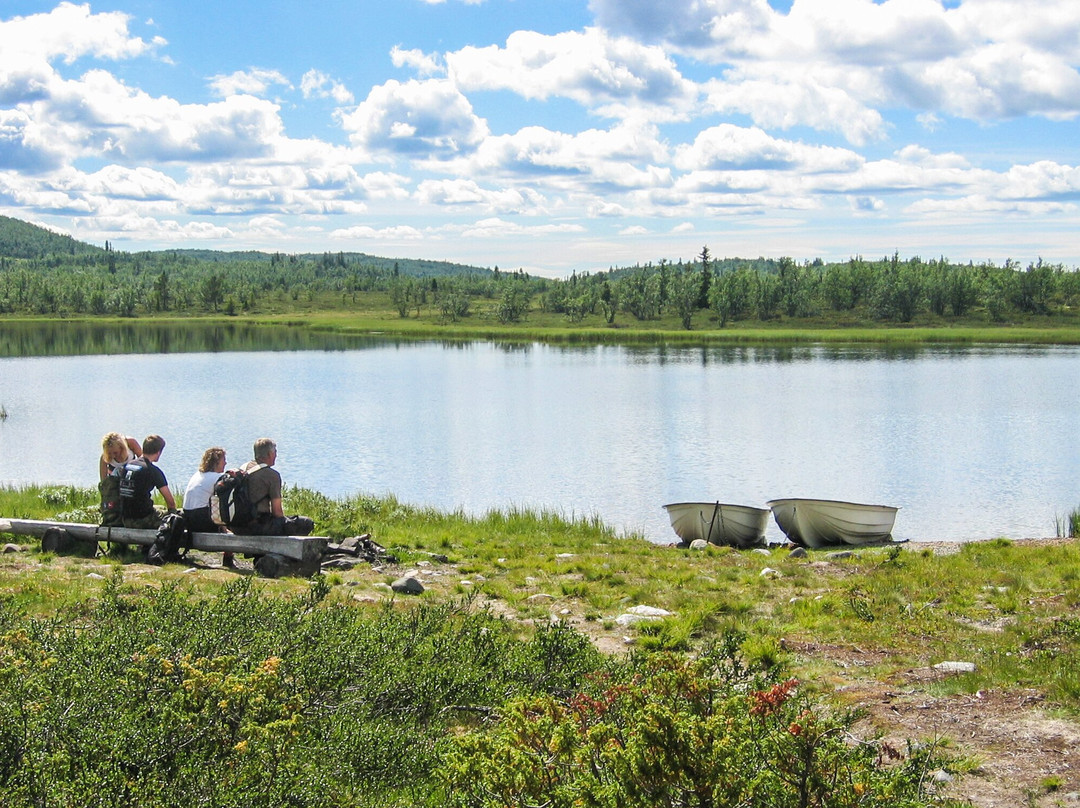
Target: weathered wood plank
295 548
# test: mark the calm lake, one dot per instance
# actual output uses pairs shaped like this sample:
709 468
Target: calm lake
970 443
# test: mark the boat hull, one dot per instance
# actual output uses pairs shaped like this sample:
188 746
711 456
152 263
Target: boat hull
719 523
828 522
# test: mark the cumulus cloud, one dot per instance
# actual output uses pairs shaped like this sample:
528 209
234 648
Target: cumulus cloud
425 64
464 192
69 32
728 147
416 118
609 75
500 228
627 156
256 81
837 65
393 234
316 84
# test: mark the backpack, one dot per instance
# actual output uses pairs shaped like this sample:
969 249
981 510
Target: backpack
112 511
172 537
128 474
230 503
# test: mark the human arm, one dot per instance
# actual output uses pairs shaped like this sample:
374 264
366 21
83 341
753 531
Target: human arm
275 507
166 495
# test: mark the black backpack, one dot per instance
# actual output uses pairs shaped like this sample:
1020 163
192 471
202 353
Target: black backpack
231 504
172 538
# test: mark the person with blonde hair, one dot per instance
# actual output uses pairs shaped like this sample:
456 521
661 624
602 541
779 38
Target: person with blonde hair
116 450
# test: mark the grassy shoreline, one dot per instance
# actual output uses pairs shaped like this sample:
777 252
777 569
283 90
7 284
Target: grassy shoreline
918 601
848 627
555 330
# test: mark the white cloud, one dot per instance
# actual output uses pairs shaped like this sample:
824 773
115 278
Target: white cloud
634 230
316 84
798 99
365 232
728 147
463 192
256 81
610 75
500 228
624 157
836 65
424 64
425 119
69 32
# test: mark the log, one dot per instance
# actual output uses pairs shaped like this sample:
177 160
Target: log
307 550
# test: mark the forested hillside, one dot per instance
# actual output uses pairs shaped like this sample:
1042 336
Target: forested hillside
46 274
19 239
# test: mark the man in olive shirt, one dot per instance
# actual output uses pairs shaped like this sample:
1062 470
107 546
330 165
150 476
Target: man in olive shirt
264 490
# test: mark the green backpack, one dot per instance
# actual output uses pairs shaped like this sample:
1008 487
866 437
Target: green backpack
111 510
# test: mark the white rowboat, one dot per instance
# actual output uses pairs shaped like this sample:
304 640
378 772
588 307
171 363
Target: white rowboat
824 522
719 523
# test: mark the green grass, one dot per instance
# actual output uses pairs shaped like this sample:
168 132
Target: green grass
1000 604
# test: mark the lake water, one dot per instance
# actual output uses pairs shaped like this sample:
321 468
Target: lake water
970 443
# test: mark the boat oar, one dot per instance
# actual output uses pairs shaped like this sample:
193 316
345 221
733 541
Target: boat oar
716 510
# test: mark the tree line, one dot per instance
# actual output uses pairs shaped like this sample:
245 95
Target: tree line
54 275
887 290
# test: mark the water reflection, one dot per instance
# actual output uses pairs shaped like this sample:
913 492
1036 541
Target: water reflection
85 339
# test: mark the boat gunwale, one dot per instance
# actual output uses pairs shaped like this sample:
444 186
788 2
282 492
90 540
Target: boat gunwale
772 502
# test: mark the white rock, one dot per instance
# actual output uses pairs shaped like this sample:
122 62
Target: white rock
641 614
649 611
762 551
560 555
955 667
698 544
769 572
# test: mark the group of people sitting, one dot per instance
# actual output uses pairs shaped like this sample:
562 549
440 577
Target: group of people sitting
139 476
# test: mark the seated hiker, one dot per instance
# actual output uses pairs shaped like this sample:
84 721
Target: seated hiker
264 491
139 479
116 450
197 496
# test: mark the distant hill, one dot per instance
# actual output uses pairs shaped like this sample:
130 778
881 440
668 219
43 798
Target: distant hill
416 267
19 239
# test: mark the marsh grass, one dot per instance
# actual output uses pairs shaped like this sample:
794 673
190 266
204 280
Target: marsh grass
1068 526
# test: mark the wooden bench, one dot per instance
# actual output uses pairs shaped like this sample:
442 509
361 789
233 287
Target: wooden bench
275 555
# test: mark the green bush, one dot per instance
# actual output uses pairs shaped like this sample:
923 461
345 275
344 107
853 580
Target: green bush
667 732
161 698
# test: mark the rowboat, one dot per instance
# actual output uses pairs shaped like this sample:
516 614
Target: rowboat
824 522
719 523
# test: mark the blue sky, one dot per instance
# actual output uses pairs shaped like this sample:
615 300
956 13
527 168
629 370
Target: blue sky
548 135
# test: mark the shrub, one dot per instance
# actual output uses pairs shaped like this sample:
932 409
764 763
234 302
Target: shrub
668 731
